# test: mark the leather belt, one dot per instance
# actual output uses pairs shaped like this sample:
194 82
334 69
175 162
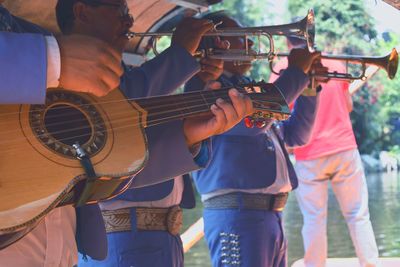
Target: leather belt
248 201
147 219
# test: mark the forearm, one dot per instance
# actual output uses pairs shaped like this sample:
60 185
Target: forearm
297 129
292 83
161 75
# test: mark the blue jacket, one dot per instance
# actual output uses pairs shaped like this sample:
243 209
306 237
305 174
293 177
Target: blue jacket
240 158
22 62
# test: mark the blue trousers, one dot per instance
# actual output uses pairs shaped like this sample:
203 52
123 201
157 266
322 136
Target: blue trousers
140 249
245 238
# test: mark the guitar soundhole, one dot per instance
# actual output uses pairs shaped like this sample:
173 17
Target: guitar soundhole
67 119
67 125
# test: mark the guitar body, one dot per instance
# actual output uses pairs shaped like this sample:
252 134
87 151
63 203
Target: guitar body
39 167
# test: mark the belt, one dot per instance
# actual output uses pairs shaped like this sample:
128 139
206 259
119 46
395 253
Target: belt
248 201
147 219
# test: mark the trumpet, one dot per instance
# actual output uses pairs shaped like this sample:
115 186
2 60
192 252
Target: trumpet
389 63
304 28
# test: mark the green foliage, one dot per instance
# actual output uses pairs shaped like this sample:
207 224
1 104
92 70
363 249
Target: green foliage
249 13
342 26
376 114
387 95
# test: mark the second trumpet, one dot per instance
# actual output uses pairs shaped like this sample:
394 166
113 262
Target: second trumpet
304 29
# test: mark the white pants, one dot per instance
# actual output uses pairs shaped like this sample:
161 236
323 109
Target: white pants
345 172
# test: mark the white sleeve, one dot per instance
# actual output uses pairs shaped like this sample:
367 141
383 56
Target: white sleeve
53 62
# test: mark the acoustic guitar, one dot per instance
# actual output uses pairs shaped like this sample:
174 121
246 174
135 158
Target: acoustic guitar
43 146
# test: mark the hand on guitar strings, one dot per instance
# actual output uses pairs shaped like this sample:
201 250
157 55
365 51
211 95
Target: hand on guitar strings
224 116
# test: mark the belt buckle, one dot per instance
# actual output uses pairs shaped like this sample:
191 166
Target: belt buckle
279 202
174 220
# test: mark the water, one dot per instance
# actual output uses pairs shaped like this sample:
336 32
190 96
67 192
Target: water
384 205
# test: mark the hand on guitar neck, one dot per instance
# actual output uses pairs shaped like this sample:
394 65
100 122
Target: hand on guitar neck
224 116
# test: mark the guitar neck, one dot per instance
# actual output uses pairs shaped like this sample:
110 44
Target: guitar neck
267 99
164 109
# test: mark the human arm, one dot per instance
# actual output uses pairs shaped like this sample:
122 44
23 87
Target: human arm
294 79
297 129
161 75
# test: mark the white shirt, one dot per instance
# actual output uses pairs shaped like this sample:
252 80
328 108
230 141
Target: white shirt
53 62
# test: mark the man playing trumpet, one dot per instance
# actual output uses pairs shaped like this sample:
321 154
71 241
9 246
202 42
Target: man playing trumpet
332 156
245 186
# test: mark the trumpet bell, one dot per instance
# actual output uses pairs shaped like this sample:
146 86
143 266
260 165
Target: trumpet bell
389 63
392 63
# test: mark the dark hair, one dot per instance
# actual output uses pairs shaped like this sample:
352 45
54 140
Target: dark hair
297 42
65 15
217 16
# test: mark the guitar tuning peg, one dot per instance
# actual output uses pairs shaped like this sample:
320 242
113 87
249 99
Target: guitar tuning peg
260 123
249 122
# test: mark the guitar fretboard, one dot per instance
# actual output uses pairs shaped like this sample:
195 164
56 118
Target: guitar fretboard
163 109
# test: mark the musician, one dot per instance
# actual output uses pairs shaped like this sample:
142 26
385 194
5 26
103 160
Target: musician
245 186
129 244
332 157
52 243
100 62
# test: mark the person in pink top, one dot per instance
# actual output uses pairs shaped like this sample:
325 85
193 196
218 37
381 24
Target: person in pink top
331 156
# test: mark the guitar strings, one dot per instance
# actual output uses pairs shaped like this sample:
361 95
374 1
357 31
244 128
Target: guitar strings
222 91
9 149
15 140
149 107
207 94
150 122
177 116
120 120
161 104
157 105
